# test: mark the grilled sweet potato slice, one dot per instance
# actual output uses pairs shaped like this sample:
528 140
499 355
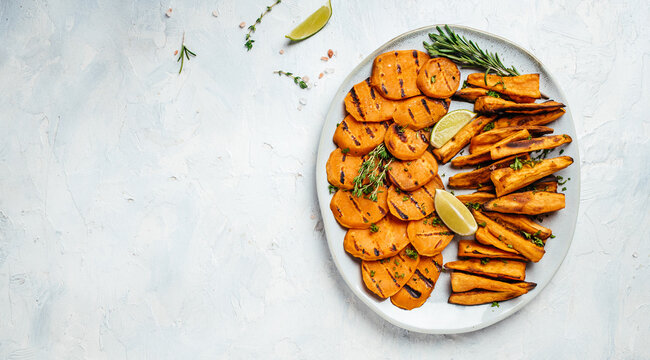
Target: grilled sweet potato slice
507 180
513 270
475 178
439 78
411 175
461 282
478 297
487 139
462 138
414 205
394 74
385 277
529 120
359 138
419 287
492 105
509 237
342 169
429 236
485 155
483 236
405 143
366 104
520 223
389 238
526 86
525 146
358 212
473 249
420 112
528 202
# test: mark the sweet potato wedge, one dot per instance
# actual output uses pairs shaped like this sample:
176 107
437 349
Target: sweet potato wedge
529 203
489 188
473 179
389 239
520 223
342 169
485 155
513 270
485 237
419 287
492 105
414 205
485 140
358 212
413 174
394 74
478 297
511 238
385 277
507 180
359 138
475 198
548 184
525 146
473 249
461 282
470 93
526 86
405 143
529 120
367 105
429 236
462 138
439 78
420 112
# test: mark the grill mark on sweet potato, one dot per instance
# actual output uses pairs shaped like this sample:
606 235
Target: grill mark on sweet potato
357 103
401 88
383 88
426 106
354 138
356 206
414 293
425 279
376 252
417 205
411 114
399 212
415 55
399 69
342 179
370 132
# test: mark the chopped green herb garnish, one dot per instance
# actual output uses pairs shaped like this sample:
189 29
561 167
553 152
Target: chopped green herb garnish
412 254
495 304
482 224
373 169
488 127
372 273
332 188
485 261
374 228
433 79
494 94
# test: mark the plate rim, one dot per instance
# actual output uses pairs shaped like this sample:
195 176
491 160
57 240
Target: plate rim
323 202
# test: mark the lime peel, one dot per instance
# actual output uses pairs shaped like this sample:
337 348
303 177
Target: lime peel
313 24
454 213
450 125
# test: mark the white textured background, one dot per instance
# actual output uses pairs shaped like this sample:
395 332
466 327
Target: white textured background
149 215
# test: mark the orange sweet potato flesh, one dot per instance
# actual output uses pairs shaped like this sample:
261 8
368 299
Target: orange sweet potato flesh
439 78
342 169
507 180
385 277
485 237
485 155
512 270
470 93
389 239
473 179
420 112
487 139
413 174
414 205
405 143
492 105
462 138
520 223
419 287
510 237
429 236
527 119
477 197
461 282
358 212
366 104
526 86
478 297
528 202
394 74
525 146
473 249
359 137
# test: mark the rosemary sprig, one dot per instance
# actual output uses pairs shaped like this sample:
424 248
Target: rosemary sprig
296 79
374 169
466 52
184 53
251 29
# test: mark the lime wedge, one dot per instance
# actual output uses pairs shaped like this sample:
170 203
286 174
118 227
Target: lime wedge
449 126
454 213
312 24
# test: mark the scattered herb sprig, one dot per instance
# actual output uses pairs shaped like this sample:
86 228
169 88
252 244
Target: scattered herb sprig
251 29
374 169
296 79
184 53
466 52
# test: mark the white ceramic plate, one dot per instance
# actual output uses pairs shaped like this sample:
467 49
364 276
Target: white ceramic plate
437 316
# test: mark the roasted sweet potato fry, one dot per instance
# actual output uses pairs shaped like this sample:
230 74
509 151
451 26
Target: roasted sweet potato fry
405 143
525 146
473 179
486 188
342 169
389 238
462 138
414 205
529 120
473 249
475 198
439 78
420 112
507 180
485 140
477 297
526 86
513 270
470 93
411 175
418 289
385 277
359 138
364 104
394 74
483 156
485 237
429 236
511 238
461 282
492 105
358 212
520 223
529 203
